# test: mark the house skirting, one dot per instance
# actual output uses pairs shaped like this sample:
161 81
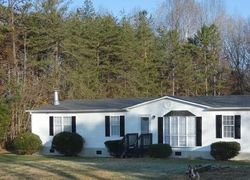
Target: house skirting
177 153
87 152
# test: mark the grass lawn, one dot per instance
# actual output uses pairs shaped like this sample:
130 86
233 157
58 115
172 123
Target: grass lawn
44 167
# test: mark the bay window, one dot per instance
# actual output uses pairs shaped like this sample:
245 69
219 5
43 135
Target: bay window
180 131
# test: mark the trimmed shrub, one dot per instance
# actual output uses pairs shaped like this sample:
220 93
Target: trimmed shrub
67 143
224 150
160 150
27 143
114 147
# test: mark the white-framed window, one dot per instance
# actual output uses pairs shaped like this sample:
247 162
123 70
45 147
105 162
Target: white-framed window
67 123
180 131
115 125
57 124
62 123
228 126
144 124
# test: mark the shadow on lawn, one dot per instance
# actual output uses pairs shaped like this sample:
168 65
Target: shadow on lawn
139 168
27 165
36 167
54 167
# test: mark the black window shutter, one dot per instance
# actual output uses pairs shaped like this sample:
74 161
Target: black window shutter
73 124
107 126
160 130
51 126
198 131
122 126
218 126
237 124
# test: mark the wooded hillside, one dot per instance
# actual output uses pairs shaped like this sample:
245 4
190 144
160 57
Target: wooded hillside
185 49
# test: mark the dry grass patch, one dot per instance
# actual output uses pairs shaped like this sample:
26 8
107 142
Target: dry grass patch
42 167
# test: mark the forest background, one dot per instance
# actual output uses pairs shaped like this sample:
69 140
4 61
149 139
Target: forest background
186 48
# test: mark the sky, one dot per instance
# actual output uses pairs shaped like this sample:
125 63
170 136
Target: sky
238 7
233 7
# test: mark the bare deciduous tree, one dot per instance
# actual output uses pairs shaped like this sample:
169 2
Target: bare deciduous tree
236 47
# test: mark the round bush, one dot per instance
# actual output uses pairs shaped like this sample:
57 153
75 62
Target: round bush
27 143
115 147
160 150
224 150
67 143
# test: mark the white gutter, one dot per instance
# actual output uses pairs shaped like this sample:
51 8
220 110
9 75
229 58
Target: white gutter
76 111
227 108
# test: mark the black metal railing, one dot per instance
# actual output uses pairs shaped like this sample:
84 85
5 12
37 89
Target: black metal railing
135 145
144 141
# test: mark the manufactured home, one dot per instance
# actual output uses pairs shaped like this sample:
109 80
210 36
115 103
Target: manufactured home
189 124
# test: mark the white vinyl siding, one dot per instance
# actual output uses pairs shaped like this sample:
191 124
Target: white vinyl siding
115 125
228 126
180 131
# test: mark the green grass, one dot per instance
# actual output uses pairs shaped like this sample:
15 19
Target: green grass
48 167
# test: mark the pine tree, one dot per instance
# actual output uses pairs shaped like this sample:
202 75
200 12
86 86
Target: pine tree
207 42
46 39
82 44
130 76
145 50
109 52
170 58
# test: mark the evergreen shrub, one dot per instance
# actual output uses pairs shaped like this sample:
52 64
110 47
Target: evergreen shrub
115 147
67 143
160 150
27 143
224 150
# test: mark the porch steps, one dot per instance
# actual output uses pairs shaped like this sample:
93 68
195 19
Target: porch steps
135 145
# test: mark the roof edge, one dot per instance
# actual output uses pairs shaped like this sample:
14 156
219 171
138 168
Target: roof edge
76 111
209 107
227 108
171 98
188 102
147 102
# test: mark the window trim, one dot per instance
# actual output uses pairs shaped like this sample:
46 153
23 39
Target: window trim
62 124
119 122
178 128
223 136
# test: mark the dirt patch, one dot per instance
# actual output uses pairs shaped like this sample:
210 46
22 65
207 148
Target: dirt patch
3 151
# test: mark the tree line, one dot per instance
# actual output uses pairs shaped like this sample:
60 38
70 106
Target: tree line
187 48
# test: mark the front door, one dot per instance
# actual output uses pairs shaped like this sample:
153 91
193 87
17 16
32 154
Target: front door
144 125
